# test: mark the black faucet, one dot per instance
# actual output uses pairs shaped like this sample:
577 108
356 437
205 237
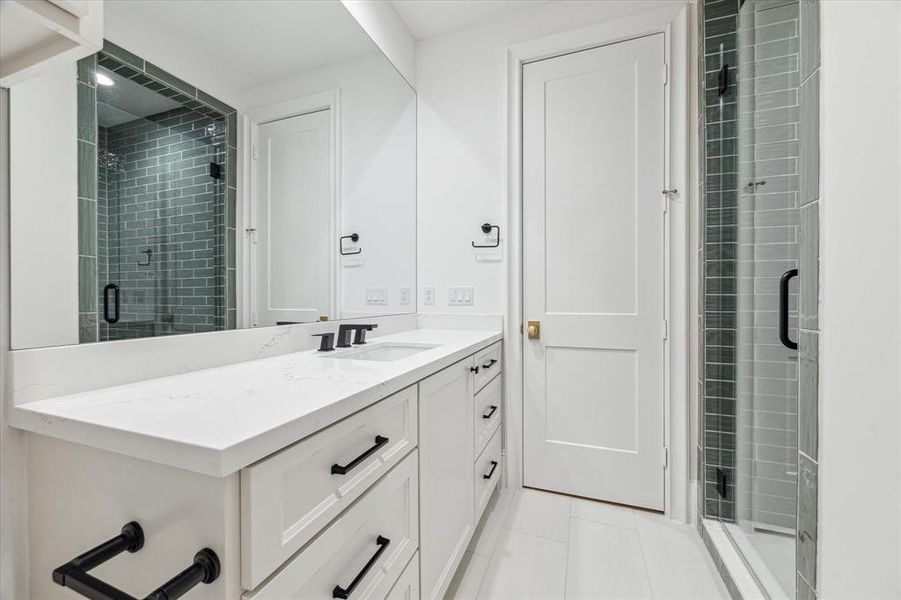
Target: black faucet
360 337
327 341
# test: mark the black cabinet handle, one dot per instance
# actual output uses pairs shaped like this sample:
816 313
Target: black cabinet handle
106 316
340 592
474 370
783 309
491 472
490 412
74 574
490 364
337 469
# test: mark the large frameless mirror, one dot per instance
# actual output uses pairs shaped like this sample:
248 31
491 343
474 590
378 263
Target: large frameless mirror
260 179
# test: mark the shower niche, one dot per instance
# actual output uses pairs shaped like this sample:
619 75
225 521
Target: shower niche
161 255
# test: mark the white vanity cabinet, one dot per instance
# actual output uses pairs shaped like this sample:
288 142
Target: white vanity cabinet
379 504
457 447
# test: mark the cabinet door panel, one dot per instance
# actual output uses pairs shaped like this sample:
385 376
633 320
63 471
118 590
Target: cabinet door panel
446 485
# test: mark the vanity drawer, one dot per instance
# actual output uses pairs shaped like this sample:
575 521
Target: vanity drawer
407 586
489 363
487 464
487 414
373 540
287 498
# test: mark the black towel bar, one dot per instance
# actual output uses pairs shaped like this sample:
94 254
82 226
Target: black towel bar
74 574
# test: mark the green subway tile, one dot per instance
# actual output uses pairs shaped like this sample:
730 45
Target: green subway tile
87 283
231 167
86 67
87 327
170 79
220 106
122 55
231 206
87 170
231 124
231 287
87 113
232 319
230 249
87 227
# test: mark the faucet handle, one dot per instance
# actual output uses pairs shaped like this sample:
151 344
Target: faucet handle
327 342
360 336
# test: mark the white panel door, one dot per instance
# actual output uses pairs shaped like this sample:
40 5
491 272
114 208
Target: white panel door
593 171
292 242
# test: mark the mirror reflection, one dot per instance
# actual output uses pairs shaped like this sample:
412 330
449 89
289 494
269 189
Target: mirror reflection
289 198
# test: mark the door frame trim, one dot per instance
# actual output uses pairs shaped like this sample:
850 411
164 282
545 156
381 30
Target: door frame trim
328 100
674 24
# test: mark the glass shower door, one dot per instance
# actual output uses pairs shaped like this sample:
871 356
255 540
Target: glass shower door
766 362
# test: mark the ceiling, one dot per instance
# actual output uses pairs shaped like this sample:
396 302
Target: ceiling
127 100
427 18
252 43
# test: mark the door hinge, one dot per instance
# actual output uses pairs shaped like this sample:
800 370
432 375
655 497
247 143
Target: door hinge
255 153
665 73
665 329
665 457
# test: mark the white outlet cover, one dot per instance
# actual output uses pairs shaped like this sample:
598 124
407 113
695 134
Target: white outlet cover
404 296
428 295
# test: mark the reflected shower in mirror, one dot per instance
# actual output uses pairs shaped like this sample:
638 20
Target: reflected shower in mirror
219 182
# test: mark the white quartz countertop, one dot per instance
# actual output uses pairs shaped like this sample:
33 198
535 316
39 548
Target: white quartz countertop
216 421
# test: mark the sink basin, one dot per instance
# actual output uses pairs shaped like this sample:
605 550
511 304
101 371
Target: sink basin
385 352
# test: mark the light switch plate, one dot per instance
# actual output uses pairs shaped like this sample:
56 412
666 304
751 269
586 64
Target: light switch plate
460 295
404 296
377 296
428 295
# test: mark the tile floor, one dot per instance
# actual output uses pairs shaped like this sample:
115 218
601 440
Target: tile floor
539 545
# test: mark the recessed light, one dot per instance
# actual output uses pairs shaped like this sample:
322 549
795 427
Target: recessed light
103 79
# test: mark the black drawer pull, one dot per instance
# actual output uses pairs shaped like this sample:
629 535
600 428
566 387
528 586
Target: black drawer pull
337 469
474 370
74 574
491 472
340 592
490 364
490 412
783 309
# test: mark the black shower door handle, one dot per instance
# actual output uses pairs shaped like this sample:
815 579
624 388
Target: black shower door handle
783 309
116 303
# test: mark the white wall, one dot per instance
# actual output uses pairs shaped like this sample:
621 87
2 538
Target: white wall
860 351
462 135
13 512
44 214
380 21
378 174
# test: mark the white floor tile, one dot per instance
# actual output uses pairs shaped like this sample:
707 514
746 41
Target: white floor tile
525 566
674 555
601 512
468 580
539 513
605 561
485 539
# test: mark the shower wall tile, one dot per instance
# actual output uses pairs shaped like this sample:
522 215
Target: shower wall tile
87 294
87 327
87 227
810 139
809 269
86 68
806 546
808 410
803 591
810 37
123 55
214 102
170 80
87 113
87 170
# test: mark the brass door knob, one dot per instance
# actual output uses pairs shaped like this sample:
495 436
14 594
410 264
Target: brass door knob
534 330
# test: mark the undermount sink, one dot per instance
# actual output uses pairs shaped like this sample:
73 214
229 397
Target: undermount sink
385 352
